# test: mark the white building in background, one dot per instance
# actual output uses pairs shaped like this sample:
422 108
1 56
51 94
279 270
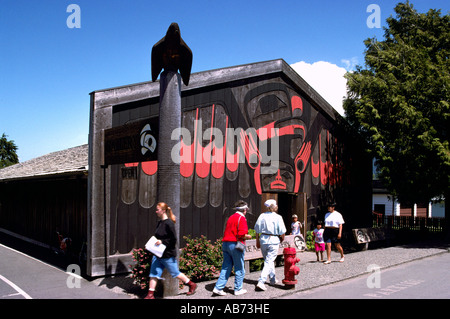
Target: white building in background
383 203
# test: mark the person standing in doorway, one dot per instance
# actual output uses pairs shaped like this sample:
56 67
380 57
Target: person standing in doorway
295 225
270 231
165 234
236 230
333 232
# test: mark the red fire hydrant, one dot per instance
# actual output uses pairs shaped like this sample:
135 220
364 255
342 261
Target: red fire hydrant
290 269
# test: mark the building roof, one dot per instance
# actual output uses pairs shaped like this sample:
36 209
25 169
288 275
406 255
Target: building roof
144 90
71 161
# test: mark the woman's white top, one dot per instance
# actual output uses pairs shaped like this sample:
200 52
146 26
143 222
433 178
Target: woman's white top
333 219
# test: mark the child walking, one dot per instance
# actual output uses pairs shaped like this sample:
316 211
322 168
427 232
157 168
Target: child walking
319 243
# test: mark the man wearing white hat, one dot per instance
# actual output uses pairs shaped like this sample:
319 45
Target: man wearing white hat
269 230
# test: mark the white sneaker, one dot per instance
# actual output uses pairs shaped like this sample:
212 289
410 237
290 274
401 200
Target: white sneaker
219 292
240 292
261 285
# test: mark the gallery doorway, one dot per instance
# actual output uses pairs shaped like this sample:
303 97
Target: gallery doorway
288 205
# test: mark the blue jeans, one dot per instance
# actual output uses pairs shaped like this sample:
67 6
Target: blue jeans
269 253
158 265
231 257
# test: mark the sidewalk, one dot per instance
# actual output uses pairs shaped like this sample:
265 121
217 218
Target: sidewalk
312 273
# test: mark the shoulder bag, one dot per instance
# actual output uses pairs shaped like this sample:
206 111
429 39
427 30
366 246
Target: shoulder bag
239 245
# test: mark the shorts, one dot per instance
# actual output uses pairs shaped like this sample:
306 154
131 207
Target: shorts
330 235
158 265
319 247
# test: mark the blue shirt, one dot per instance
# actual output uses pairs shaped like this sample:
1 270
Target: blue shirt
270 225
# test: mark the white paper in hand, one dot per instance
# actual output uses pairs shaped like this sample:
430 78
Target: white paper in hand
157 250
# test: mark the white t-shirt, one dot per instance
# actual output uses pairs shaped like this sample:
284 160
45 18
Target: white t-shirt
333 219
318 236
296 228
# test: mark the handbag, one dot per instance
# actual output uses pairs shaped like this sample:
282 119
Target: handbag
239 245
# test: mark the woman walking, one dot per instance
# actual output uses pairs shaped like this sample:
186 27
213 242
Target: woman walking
165 234
236 231
333 232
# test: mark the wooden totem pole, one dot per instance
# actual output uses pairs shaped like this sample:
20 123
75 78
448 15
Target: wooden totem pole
170 54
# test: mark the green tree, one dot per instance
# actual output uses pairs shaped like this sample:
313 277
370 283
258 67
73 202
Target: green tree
400 102
8 149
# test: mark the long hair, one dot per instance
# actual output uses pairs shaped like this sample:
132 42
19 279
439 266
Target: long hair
168 211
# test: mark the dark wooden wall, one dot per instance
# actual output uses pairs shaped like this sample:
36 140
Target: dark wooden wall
37 209
333 166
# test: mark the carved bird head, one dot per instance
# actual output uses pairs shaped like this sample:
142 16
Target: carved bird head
171 53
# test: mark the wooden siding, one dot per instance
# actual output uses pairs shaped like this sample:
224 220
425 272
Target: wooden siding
37 209
318 157
209 189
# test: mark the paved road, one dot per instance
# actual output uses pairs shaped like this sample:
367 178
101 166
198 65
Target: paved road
427 278
24 277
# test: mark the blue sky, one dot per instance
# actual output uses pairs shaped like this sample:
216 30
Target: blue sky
47 69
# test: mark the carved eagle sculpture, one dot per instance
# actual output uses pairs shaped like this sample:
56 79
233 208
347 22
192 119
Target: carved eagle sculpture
171 53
